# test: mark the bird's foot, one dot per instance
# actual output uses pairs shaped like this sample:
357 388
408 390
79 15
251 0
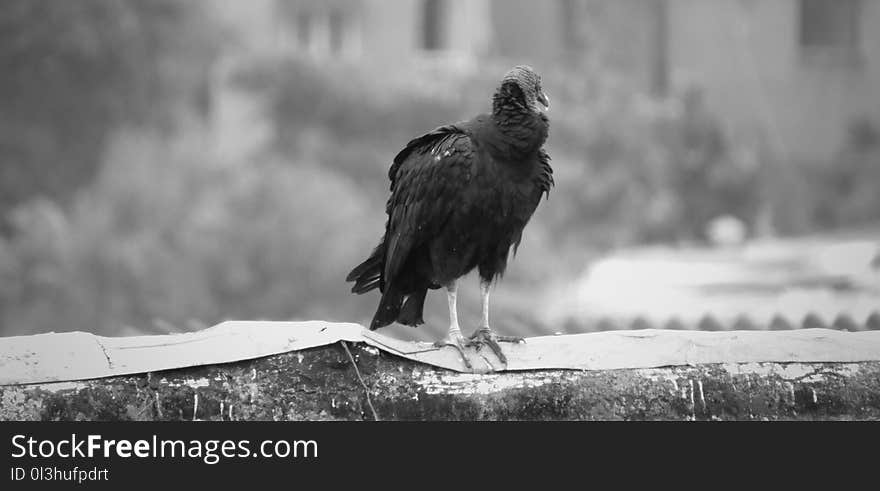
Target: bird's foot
457 341
485 336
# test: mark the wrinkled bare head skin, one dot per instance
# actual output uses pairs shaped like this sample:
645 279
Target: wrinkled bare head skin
528 82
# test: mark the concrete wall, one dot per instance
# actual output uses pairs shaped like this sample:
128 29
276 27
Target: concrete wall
322 384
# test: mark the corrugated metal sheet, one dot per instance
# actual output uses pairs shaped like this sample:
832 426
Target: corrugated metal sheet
842 322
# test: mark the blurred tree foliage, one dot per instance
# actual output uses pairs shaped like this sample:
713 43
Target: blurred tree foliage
847 193
630 167
170 235
74 70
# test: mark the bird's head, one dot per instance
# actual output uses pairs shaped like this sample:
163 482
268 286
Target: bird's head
523 85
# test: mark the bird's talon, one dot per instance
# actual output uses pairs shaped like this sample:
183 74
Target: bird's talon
485 336
458 345
496 348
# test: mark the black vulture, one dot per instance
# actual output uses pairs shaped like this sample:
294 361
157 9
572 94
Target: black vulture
460 198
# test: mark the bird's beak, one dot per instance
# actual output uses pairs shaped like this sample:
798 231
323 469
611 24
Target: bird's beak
544 99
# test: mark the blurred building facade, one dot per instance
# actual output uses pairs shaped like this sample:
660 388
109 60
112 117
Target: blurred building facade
803 70
798 72
381 32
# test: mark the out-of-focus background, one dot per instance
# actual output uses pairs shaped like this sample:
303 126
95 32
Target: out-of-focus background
168 164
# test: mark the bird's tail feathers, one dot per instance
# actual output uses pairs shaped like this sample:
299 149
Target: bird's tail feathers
411 311
396 306
405 306
368 274
389 309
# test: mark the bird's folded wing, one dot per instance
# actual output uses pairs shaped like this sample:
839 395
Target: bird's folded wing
428 182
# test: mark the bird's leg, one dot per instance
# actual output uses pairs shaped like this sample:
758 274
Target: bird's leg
454 338
484 334
484 302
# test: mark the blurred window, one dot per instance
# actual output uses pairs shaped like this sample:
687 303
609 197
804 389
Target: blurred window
327 32
304 29
829 30
337 34
433 17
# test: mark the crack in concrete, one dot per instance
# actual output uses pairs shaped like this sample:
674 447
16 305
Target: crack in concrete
106 355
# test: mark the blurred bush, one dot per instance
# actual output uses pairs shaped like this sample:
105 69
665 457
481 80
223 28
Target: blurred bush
847 192
630 168
167 235
72 71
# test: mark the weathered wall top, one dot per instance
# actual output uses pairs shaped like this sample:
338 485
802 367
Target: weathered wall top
58 357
